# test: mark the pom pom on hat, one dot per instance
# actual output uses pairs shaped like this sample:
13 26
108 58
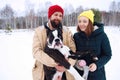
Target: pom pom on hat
89 14
54 8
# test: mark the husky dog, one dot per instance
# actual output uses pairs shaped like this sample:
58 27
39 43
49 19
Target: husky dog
60 53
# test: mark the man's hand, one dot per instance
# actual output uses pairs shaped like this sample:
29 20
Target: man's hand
60 68
59 78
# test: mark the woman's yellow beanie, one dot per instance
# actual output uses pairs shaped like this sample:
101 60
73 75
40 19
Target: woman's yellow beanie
89 14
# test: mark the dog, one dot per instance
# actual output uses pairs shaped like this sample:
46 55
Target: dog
60 53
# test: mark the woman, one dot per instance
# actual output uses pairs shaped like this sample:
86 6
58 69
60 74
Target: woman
91 36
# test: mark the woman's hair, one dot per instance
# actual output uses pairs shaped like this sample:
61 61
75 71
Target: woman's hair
89 28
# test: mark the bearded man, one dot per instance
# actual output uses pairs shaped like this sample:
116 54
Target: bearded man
55 17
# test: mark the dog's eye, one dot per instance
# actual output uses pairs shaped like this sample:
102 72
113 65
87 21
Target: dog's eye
51 38
59 36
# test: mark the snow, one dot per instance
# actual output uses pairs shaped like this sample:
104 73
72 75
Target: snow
16 59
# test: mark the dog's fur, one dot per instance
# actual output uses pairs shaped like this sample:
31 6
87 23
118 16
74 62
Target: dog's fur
59 52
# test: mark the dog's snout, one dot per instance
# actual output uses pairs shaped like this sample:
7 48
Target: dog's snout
57 40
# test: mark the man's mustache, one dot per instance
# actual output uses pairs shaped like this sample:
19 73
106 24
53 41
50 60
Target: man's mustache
56 25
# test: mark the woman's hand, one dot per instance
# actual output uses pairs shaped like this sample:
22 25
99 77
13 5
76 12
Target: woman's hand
92 67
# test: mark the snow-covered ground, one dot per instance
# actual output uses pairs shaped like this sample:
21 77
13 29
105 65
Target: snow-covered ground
16 59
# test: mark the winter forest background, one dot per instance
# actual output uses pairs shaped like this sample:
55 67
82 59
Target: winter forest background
9 19
16 60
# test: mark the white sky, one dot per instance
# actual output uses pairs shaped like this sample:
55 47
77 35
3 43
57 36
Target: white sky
19 4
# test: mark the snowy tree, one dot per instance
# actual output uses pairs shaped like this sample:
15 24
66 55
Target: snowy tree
7 14
113 10
29 14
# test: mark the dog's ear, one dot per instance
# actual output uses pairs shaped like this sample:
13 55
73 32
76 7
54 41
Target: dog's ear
60 33
47 28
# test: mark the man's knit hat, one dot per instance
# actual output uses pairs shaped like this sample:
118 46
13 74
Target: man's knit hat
54 8
89 14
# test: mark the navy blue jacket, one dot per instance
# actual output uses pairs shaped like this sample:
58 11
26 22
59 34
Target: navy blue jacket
99 43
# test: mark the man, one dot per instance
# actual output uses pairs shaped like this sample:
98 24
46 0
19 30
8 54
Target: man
55 16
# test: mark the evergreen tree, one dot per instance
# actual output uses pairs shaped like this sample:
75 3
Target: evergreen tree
97 17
